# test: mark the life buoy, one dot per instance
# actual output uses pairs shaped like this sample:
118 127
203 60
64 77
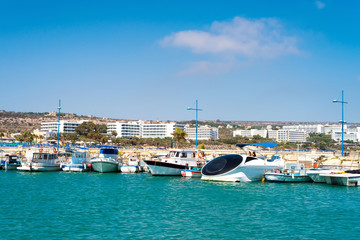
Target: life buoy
200 154
54 150
40 150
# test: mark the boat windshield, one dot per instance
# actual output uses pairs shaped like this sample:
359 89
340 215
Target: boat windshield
108 151
222 164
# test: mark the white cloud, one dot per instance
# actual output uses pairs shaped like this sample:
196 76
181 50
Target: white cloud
259 38
320 5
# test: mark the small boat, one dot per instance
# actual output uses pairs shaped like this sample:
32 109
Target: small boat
107 161
79 163
173 163
132 166
349 178
293 172
241 167
11 162
315 174
41 162
195 172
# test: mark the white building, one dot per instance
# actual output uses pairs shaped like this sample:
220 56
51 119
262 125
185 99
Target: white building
283 135
65 126
315 128
142 129
250 133
353 136
204 133
124 129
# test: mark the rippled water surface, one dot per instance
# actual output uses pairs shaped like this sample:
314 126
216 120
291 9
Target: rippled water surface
62 205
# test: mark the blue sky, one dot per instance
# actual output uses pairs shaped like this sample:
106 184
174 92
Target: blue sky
242 60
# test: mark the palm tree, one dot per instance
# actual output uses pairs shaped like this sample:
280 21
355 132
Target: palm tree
179 135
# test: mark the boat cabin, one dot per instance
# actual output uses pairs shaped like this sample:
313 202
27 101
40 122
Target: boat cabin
44 157
109 153
182 154
80 157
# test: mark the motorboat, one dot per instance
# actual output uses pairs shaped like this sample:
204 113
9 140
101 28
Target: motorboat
133 165
11 162
173 163
241 167
108 161
315 174
293 172
195 172
41 162
80 162
349 178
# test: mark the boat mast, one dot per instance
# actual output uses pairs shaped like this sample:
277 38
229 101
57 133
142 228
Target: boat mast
58 131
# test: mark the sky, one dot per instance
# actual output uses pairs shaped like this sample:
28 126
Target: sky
253 60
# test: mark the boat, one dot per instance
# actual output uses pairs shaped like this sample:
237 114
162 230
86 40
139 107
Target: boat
79 163
10 163
133 165
293 172
173 163
349 178
107 161
315 174
41 162
241 167
195 172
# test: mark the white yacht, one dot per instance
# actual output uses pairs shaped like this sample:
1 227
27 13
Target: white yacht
173 163
108 161
41 162
79 162
241 167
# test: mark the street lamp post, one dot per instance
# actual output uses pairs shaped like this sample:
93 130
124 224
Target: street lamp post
58 132
342 120
196 125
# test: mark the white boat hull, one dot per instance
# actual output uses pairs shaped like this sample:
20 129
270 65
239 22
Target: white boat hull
75 168
241 174
105 166
342 179
129 169
40 167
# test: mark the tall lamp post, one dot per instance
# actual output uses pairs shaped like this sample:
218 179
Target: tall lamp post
342 120
58 132
195 109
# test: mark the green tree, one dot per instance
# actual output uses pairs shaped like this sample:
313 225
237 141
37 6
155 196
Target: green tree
179 135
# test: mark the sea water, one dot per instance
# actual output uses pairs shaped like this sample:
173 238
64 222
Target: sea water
60 205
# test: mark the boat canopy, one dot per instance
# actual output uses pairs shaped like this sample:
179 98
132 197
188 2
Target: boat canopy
109 151
264 144
222 164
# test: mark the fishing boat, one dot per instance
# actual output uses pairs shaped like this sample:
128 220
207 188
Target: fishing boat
41 162
133 165
107 161
173 163
241 167
342 178
293 172
79 163
10 163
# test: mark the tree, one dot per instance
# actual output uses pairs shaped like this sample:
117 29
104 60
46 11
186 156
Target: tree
114 133
179 135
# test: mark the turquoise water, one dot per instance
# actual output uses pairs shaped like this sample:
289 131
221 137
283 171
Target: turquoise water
63 205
